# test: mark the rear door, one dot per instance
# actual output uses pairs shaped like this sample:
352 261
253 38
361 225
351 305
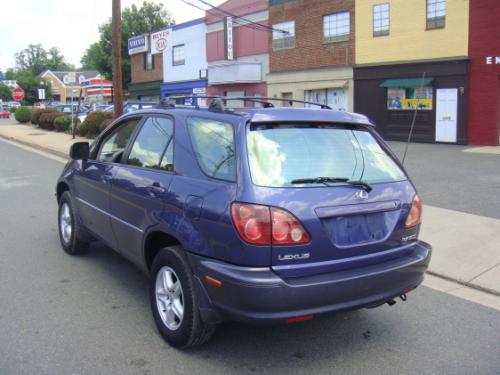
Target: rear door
140 186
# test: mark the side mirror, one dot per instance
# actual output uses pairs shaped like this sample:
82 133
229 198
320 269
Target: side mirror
79 150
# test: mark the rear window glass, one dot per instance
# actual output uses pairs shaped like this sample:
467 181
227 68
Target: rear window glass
213 145
281 153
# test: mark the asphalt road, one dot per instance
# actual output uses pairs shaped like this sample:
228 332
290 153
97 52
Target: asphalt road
90 315
448 178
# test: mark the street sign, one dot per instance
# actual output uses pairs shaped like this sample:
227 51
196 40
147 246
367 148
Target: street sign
18 94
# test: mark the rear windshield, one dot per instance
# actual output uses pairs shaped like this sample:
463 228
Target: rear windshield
281 153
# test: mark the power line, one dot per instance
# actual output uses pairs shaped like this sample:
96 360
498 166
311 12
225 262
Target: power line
241 21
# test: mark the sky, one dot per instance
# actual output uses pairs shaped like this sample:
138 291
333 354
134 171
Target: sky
70 25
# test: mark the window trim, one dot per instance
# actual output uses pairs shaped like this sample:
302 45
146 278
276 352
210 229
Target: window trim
337 38
103 137
236 159
127 151
436 20
383 32
276 42
173 54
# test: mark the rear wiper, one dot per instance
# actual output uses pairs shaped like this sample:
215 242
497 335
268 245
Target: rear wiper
325 180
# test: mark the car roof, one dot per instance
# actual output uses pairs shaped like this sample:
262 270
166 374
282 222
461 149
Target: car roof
276 114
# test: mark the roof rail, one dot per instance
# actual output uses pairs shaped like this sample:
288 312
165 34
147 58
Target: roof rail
217 102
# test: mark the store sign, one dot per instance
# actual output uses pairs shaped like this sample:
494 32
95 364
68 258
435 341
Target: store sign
160 41
492 60
137 44
229 40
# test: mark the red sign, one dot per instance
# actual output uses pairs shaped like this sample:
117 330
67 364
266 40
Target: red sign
18 94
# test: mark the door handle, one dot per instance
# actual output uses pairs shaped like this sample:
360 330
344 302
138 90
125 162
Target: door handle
157 188
106 178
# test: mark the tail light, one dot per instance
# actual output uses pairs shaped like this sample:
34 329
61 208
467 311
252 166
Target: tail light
263 225
415 215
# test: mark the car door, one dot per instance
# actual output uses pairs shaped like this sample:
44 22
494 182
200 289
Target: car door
140 186
92 181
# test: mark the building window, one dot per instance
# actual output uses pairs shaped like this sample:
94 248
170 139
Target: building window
284 35
409 98
149 61
178 55
336 27
436 13
381 19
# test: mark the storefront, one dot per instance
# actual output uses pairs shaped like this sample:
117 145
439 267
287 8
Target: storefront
149 91
236 79
333 86
434 93
187 88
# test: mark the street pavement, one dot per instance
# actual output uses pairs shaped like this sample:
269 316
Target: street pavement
90 314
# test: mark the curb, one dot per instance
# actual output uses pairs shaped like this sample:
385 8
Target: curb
465 283
36 146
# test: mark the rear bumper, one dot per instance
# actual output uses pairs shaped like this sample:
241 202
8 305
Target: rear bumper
259 296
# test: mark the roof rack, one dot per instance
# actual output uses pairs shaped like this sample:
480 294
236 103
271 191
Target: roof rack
218 102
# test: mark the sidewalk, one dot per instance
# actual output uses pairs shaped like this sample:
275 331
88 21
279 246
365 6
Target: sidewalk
466 246
30 135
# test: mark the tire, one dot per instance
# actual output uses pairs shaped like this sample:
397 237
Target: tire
172 287
67 227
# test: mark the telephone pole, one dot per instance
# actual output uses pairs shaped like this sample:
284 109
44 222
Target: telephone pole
117 58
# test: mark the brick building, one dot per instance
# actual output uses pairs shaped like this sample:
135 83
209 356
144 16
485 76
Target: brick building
312 53
238 49
146 69
63 90
484 86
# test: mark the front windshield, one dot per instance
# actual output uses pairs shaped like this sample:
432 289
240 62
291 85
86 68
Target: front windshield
281 153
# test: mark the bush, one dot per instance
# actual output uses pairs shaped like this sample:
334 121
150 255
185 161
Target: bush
105 124
36 113
94 120
81 129
22 114
12 110
63 123
46 121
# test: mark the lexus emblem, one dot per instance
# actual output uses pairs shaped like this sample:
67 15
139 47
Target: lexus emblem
361 195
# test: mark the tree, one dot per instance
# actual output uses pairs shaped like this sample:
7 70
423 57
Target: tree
36 59
135 21
5 93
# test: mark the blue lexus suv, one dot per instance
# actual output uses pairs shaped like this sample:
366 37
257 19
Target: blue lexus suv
263 215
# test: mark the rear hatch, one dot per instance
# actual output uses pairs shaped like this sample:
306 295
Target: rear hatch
302 168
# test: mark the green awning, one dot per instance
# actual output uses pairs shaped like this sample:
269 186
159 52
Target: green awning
407 82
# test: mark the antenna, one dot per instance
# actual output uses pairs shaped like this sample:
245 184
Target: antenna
413 121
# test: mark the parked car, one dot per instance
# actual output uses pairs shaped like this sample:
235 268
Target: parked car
133 105
66 108
265 215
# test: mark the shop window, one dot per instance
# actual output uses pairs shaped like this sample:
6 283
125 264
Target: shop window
335 98
381 19
178 55
405 98
336 27
284 35
436 14
149 61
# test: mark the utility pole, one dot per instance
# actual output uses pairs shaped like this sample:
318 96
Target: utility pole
117 58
